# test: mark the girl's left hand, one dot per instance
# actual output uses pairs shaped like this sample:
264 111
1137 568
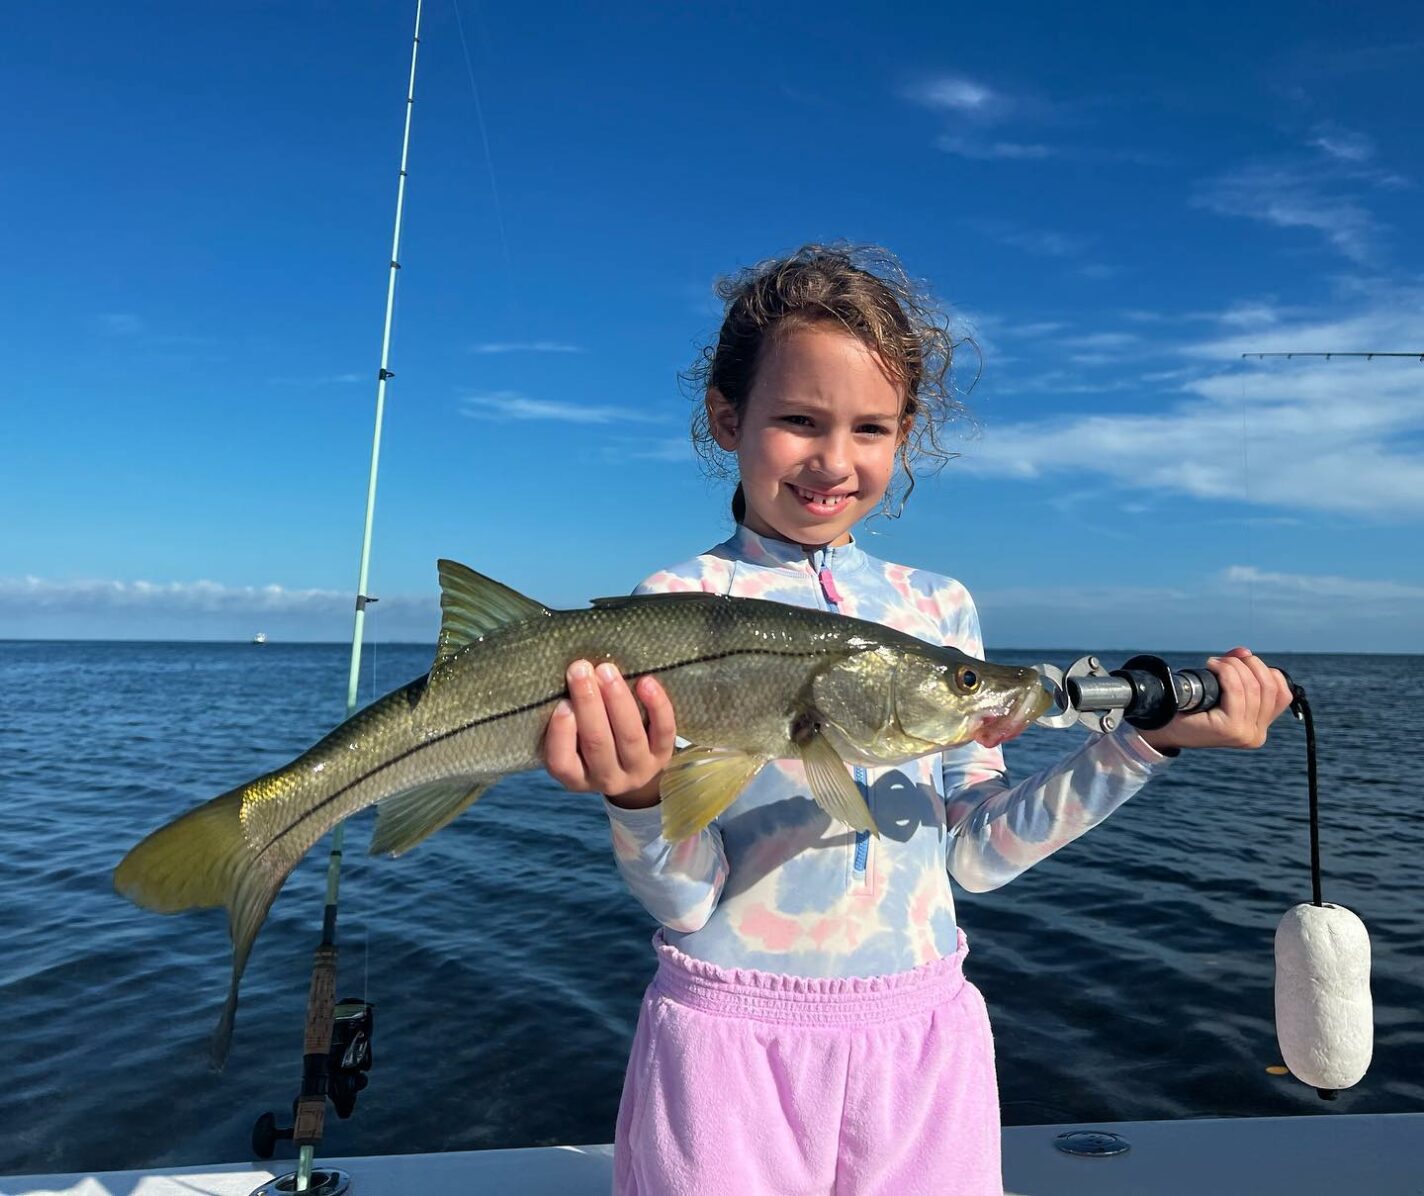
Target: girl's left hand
1252 695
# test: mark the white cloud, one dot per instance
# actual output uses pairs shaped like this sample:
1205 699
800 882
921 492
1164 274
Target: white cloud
954 93
525 347
512 405
1303 435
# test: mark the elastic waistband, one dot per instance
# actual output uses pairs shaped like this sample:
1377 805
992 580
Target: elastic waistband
807 1000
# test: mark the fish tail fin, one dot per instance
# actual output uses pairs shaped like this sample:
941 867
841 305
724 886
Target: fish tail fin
205 859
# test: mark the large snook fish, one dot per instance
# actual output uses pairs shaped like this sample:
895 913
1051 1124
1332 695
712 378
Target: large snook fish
750 681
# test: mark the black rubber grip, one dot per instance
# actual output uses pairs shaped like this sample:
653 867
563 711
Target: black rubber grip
1210 689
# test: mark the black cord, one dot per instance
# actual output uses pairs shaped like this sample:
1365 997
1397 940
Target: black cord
1300 707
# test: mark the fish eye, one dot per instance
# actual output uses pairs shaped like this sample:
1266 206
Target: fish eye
966 678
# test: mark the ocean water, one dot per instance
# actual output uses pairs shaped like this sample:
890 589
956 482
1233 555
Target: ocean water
1128 977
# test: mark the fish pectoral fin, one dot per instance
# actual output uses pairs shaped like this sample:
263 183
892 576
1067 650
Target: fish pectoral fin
699 783
831 785
408 818
471 605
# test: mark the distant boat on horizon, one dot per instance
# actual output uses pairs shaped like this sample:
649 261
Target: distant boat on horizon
260 638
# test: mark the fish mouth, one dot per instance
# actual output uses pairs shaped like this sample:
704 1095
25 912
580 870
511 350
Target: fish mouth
1000 728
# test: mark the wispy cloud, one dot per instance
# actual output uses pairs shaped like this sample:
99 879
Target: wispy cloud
1324 192
1069 249
989 150
345 379
1037 241
1342 144
1307 585
975 111
121 323
1288 197
1106 340
666 449
525 347
510 404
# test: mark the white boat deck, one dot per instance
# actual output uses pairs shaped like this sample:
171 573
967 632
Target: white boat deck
1376 1155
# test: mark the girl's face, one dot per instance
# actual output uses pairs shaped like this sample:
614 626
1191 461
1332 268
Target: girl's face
816 443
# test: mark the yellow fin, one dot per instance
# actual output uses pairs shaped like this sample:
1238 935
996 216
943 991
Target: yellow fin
471 605
699 783
204 858
832 786
404 819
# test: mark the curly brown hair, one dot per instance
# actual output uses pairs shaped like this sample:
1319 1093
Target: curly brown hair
865 290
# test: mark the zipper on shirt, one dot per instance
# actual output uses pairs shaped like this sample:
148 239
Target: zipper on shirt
860 860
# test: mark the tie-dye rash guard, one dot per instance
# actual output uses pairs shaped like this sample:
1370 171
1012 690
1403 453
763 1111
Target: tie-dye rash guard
773 885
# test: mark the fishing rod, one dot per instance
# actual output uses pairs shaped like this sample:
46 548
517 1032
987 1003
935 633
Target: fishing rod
1367 354
1324 1013
336 1052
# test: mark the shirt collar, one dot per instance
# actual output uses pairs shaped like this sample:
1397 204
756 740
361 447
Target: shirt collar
770 553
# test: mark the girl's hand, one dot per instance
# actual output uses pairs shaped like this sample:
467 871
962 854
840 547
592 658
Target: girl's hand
1252 695
597 741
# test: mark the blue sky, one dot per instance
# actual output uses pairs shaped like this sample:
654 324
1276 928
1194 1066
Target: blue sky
1115 203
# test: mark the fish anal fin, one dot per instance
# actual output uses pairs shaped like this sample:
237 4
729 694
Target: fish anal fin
472 605
699 783
406 819
831 785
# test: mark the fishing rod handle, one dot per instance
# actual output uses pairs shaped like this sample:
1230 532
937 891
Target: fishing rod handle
1147 691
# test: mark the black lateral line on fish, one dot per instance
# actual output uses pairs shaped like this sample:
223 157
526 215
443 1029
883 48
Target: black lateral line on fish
394 760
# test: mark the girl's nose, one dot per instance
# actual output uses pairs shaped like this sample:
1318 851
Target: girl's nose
833 454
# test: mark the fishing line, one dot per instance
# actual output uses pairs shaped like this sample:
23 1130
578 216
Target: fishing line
1250 527
484 132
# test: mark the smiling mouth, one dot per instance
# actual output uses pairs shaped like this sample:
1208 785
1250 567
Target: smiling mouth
819 501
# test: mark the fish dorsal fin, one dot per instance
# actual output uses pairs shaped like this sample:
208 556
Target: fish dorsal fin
472 605
831 785
405 819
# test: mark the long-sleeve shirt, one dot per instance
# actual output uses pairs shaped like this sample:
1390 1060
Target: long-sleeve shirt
771 884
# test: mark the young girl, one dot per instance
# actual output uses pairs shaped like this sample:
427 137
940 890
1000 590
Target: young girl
809 1029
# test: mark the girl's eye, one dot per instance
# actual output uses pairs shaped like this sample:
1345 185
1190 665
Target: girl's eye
799 421
875 429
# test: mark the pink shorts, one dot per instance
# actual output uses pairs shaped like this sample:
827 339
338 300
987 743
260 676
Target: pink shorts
747 1082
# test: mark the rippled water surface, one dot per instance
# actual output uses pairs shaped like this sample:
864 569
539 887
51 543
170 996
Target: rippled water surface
1128 977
